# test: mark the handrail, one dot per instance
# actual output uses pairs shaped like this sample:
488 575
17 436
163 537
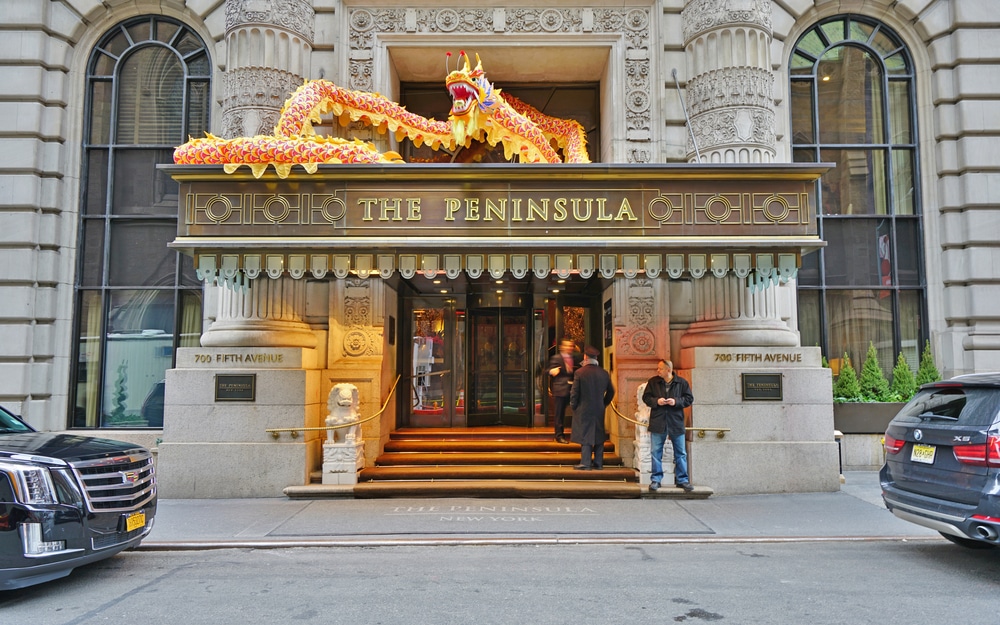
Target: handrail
719 432
294 432
617 412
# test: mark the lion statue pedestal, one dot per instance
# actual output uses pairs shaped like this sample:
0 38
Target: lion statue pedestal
343 451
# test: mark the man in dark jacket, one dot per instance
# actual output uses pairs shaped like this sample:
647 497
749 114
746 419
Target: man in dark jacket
667 395
561 369
591 393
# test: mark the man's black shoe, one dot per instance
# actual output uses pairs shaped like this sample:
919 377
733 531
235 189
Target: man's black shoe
561 439
687 487
581 467
654 486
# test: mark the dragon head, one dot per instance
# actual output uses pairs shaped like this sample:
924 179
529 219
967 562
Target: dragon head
473 98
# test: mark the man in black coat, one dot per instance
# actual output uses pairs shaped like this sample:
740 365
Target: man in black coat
561 369
667 395
591 393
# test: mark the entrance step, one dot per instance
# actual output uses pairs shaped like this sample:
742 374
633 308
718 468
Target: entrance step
491 462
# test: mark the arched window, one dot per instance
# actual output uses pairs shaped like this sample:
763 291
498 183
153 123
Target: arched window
148 83
852 104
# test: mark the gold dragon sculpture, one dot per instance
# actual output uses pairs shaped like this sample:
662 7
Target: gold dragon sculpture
479 113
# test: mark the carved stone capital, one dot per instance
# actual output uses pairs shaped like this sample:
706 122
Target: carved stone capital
295 16
699 16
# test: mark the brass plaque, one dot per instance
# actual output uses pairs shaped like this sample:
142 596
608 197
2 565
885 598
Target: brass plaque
762 387
235 387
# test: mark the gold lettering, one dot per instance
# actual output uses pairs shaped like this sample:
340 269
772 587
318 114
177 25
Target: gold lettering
500 210
559 209
413 209
542 210
471 209
451 206
367 203
393 206
601 215
516 206
625 209
577 215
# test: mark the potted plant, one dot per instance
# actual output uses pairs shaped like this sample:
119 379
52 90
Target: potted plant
866 404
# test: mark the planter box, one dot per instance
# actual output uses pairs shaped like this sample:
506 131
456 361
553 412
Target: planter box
864 418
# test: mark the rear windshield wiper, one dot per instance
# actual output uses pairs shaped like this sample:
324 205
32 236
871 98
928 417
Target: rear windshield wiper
931 415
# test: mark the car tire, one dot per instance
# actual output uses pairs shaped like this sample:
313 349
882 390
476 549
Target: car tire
968 543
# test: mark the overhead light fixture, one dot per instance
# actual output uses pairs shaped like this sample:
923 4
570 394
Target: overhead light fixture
437 282
561 281
555 290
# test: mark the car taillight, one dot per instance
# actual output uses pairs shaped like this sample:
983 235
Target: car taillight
892 445
981 455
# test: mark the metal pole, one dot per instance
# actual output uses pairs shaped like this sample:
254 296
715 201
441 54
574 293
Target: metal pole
687 119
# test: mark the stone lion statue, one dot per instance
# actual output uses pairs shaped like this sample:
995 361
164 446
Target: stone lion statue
342 407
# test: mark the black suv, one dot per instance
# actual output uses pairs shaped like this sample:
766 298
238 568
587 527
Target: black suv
68 500
942 466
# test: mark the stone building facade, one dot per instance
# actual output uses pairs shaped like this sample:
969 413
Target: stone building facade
717 82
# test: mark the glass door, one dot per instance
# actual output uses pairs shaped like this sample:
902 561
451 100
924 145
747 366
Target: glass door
499 373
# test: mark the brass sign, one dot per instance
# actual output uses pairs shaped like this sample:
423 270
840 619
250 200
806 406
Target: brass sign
506 202
235 387
762 387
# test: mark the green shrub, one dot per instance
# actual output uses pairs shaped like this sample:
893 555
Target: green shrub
904 385
927 372
874 386
846 387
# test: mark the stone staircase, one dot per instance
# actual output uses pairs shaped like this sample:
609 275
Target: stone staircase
501 462
490 462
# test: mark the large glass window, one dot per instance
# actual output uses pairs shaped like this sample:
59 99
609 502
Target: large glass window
137 301
852 105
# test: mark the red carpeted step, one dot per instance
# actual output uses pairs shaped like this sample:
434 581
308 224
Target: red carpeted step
507 472
454 458
499 488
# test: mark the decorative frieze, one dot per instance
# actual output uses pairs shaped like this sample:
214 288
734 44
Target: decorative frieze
729 87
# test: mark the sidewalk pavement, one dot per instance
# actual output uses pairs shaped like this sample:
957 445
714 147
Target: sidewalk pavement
854 513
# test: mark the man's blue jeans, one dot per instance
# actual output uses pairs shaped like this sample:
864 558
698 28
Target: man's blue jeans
657 441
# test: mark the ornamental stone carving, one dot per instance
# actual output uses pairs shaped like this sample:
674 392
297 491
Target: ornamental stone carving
295 16
731 86
730 90
253 100
631 25
703 15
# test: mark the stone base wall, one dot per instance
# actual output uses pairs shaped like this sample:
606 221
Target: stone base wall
221 449
772 446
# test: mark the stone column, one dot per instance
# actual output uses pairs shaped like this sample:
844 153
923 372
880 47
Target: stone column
730 82
268 47
268 313
728 312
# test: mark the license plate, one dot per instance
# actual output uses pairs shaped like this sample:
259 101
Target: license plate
134 521
923 453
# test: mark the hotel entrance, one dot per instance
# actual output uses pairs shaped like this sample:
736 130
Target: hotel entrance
479 357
